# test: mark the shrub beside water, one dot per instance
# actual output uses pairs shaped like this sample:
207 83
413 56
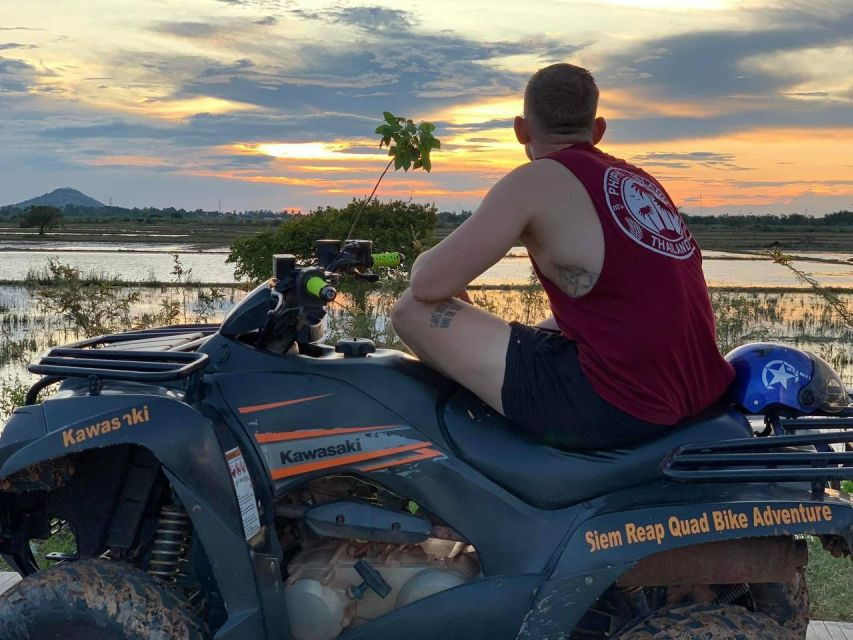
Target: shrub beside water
401 226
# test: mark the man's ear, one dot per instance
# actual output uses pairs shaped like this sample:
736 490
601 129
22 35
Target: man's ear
598 129
522 130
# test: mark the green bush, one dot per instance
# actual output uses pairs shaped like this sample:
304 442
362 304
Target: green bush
401 226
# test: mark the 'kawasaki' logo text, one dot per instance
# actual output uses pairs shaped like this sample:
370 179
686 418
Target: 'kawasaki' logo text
290 456
79 436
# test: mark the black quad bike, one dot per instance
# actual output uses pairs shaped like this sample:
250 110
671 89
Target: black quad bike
246 482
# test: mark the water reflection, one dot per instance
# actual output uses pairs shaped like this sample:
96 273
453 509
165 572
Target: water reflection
138 263
799 319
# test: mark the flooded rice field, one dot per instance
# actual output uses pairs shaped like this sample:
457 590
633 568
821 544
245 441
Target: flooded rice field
146 263
754 300
29 323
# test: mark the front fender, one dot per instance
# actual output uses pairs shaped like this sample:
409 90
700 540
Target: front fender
603 547
185 443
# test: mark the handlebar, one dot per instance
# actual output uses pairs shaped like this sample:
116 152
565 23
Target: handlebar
390 259
317 287
355 259
300 293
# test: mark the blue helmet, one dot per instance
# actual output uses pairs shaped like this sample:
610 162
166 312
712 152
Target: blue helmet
773 378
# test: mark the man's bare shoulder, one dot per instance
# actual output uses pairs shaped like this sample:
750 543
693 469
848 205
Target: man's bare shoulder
541 169
540 182
541 187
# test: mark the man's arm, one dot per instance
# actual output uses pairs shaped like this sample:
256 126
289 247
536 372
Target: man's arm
481 241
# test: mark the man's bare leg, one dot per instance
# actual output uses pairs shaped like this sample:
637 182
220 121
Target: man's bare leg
463 342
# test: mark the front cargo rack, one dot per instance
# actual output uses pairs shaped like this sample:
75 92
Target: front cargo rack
794 456
150 355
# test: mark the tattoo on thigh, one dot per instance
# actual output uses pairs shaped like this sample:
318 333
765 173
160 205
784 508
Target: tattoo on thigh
576 281
443 314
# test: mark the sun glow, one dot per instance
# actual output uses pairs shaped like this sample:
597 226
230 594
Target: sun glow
311 151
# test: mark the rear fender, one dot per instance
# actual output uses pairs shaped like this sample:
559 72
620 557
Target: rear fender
604 547
193 460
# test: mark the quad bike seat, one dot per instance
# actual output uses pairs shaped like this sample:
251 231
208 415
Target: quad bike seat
553 478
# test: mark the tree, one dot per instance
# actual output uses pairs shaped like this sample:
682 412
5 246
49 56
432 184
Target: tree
401 226
40 216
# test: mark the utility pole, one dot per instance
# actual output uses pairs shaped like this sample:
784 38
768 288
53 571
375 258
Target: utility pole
111 201
700 203
220 206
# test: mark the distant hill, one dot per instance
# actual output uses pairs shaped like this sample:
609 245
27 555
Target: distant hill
61 198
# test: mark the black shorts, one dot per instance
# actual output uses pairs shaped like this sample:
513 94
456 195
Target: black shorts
546 393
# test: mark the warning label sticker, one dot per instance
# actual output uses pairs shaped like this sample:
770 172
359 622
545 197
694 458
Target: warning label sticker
245 492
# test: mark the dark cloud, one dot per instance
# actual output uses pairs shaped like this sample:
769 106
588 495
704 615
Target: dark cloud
21 29
781 183
399 70
240 161
389 66
366 79
267 21
5 46
710 64
186 29
473 127
15 75
816 115
371 18
688 159
211 130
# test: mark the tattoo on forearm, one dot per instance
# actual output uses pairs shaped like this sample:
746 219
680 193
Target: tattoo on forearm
443 314
575 281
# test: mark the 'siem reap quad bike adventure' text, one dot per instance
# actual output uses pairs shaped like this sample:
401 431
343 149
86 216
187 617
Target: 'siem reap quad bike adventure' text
244 481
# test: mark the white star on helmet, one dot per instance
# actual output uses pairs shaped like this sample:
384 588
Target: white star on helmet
779 375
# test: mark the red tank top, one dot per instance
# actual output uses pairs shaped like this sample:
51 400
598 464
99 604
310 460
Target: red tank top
645 332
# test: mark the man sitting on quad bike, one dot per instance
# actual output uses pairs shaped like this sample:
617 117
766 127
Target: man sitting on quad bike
630 349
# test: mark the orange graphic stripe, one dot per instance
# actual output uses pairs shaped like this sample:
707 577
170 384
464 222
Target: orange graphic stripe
274 405
421 454
304 434
339 461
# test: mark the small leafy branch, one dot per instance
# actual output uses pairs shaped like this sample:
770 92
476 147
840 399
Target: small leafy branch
830 296
409 146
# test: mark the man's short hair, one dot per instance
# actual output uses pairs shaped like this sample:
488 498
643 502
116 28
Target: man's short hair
561 99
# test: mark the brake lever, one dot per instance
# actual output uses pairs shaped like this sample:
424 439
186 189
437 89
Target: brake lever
368 277
279 304
343 262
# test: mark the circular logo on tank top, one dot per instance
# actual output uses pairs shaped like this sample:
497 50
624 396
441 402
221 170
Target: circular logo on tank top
646 214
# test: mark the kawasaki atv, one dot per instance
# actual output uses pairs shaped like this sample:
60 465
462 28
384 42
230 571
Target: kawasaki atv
247 482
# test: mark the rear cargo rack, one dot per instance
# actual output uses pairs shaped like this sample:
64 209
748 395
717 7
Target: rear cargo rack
113 364
108 341
157 358
792 457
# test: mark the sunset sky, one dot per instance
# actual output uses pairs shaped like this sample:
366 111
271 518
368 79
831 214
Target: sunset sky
273 103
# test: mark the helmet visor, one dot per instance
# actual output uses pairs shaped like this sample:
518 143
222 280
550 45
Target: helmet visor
829 392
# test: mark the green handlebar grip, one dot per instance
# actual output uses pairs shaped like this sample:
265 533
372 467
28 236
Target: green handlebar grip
389 259
315 285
